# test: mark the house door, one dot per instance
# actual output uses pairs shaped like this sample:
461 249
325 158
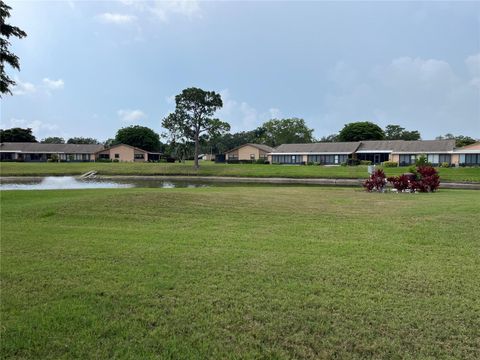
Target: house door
376 158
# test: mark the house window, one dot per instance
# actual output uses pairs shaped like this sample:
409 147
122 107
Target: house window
104 156
139 156
252 156
117 156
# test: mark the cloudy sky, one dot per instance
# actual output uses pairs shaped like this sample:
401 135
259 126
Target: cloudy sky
92 67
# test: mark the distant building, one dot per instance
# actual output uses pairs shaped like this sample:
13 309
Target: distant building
39 152
13 151
248 152
126 153
403 152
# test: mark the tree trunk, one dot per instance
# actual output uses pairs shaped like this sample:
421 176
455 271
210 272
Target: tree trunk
196 149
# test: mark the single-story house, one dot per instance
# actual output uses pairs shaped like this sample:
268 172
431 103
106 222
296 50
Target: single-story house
406 152
322 153
30 151
468 155
126 153
403 152
249 152
13 151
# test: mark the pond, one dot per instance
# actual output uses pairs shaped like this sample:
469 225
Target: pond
69 182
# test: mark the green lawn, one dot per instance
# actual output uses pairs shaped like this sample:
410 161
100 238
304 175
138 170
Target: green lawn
212 169
240 272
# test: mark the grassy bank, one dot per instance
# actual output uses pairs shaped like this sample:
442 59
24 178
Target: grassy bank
245 272
212 169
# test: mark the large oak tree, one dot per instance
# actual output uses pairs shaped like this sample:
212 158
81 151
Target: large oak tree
193 118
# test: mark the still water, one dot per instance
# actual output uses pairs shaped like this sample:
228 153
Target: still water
69 182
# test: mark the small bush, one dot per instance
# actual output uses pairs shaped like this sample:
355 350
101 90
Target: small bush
353 162
365 162
421 160
390 164
376 182
429 181
401 183
260 161
444 165
343 164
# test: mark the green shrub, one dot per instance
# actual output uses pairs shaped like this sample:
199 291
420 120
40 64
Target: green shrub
353 162
390 164
421 160
260 161
365 162
444 165
343 164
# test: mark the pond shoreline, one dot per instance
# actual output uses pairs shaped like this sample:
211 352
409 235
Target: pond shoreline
240 180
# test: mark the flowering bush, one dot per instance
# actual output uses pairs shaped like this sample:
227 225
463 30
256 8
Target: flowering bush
376 182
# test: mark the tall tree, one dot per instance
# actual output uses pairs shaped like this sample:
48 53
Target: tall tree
17 135
6 56
362 130
82 140
396 132
193 117
53 140
285 131
139 136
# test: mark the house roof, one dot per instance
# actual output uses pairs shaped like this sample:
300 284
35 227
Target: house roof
325 147
424 146
130 146
390 146
30 147
469 149
262 147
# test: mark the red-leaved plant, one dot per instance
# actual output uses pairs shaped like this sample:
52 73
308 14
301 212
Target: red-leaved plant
376 182
401 183
428 181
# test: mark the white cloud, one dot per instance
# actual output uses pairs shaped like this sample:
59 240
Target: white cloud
130 115
39 128
164 10
187 8
473 66
53 84
241 115
23 88
113 18
275 113
420 94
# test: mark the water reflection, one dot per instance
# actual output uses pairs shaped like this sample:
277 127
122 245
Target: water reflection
69 182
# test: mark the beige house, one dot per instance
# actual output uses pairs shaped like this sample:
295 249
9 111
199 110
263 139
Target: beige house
248 152
126 153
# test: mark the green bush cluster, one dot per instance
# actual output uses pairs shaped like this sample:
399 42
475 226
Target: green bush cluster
365 162
390 164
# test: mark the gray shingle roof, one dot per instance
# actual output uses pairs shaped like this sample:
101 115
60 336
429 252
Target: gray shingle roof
402 146
50 148
330 147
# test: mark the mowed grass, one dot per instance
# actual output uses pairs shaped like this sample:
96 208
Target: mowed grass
211 169
241 272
